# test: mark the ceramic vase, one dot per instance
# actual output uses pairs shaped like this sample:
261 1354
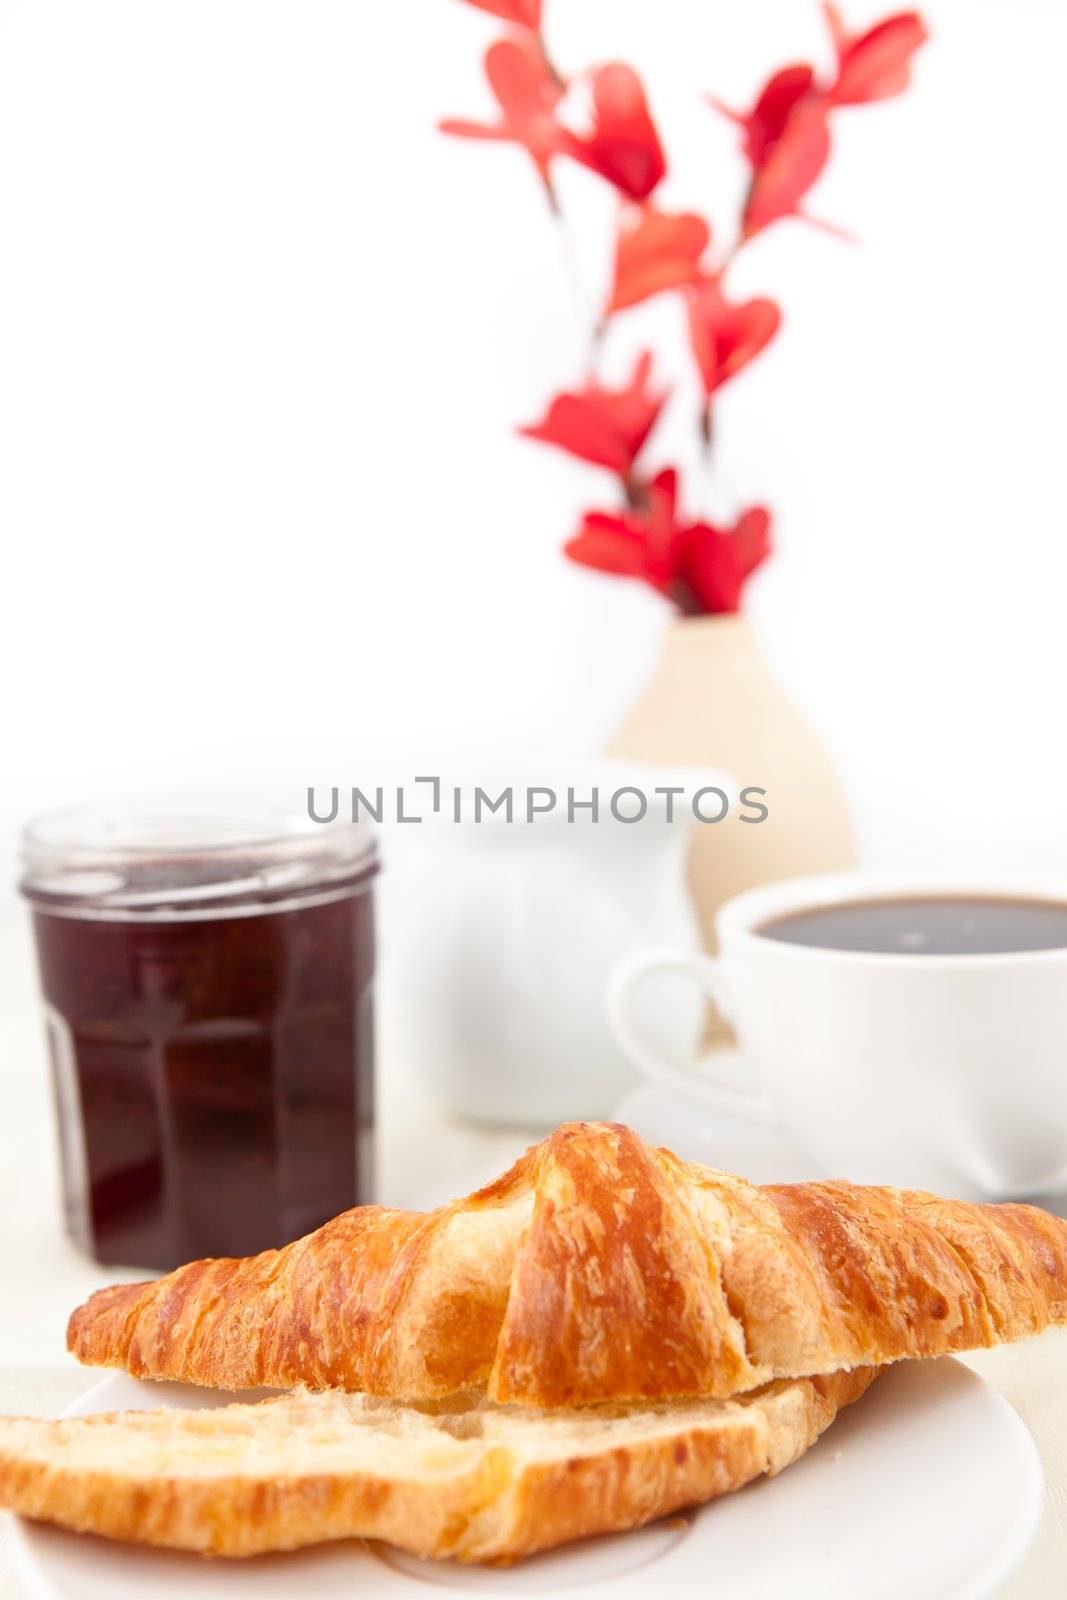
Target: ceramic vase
712 702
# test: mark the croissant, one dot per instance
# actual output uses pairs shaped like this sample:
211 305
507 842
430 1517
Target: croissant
597 1270
484 1484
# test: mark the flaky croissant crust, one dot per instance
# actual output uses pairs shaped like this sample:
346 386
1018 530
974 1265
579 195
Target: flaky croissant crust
597 1270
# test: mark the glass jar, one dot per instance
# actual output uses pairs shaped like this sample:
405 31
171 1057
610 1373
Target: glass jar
207 980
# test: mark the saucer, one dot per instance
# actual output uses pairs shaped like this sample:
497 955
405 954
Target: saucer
764 1154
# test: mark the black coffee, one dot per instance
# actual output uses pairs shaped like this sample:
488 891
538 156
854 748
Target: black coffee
927 925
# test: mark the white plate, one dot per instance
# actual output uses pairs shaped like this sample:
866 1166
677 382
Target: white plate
928 1489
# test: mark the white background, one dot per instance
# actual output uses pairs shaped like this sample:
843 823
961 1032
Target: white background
264 336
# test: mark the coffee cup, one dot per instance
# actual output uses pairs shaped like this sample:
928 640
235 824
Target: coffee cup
927 1057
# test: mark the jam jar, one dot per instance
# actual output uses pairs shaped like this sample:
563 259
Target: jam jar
207 980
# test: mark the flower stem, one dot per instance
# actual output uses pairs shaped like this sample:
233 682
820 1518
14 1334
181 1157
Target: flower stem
553 71
569 251
636 492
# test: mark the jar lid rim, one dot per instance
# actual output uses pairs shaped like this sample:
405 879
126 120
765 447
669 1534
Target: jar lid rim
183 853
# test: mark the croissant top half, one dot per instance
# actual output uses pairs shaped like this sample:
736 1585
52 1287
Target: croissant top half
597 1270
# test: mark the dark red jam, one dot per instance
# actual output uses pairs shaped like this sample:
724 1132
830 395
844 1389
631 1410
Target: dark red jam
213 1069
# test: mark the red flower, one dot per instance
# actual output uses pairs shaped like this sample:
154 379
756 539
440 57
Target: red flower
637 543
786 138
876 64
715 562
654 252
791 166
700 567
623 145
527 13
764 125
605 426
725 336
528 94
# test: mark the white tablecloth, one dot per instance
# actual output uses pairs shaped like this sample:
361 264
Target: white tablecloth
424 1158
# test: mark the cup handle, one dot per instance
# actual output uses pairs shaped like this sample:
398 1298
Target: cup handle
623 985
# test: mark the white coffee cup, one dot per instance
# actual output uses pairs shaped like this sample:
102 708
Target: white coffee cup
941 1072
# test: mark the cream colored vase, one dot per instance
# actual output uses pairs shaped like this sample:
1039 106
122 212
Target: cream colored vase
712 702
